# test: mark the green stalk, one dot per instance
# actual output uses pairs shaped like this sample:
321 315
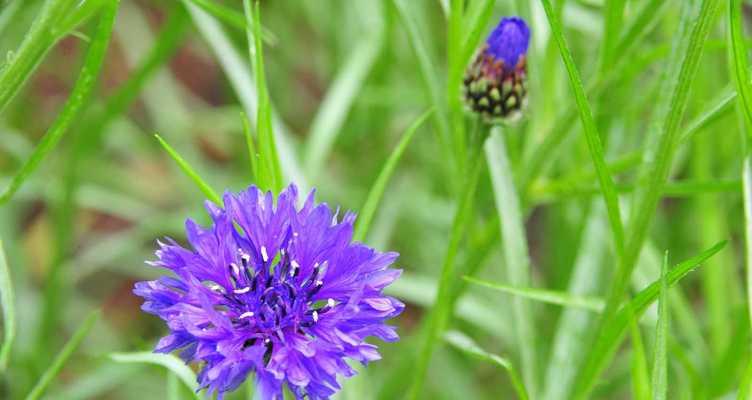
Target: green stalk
439 317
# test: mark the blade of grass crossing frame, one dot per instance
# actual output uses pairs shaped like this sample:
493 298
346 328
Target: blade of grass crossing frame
746 383
57 364
546 296
660 362
40 38
595 147
252 154
465 344
606 344
659 164
441 312
76 102
190 172
639 364
377 190
339 99
173 364
478 14
515 252
270 173
7 301
743 88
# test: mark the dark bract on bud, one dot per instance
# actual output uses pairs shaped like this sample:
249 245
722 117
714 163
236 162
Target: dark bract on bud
495 84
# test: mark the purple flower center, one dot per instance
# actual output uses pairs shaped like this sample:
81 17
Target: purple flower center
264 301
509 40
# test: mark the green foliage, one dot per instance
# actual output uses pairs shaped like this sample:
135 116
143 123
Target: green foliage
528 254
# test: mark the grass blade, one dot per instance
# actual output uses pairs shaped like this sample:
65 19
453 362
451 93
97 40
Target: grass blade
660 363
7 301
515 249
746 384
57 364
439 317
658 164
595 147
269 173
377 190
40 38
430 79
190 172
77 100
639 367
479 14
465 344
568 348
245 87
613 331
739 53
327 123
173 364
546 296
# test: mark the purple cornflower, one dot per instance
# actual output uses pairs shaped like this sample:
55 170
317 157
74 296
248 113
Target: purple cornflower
275 290
495 82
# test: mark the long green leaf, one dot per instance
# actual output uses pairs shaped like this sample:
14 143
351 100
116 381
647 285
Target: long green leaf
658 165
329 119
40 38
60 360
245 87
465 344
172 363
660 363
745 386
546 296
441 313
377 190
743 87
190 172
515 250
269 172
639 368
7 301
613 331
591 131
76 102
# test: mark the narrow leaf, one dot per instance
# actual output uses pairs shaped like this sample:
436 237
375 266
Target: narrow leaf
62 357
660 364
546 296
613 331
465 344
76 102
173 364
7 301
595 147
190 172
515 251
38 40
377 190
640 379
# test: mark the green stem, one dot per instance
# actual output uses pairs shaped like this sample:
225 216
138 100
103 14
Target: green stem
439 317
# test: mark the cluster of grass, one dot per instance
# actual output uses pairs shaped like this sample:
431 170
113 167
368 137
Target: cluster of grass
546 260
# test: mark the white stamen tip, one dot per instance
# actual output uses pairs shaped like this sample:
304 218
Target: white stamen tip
330 302
235 268
247 314
315 316
242 290
263 254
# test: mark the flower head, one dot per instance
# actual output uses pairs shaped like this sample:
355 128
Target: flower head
272 289
495 82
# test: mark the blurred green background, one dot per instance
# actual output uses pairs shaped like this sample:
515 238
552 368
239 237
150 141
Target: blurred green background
345 82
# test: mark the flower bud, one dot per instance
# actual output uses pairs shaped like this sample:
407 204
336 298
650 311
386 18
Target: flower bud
495 84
